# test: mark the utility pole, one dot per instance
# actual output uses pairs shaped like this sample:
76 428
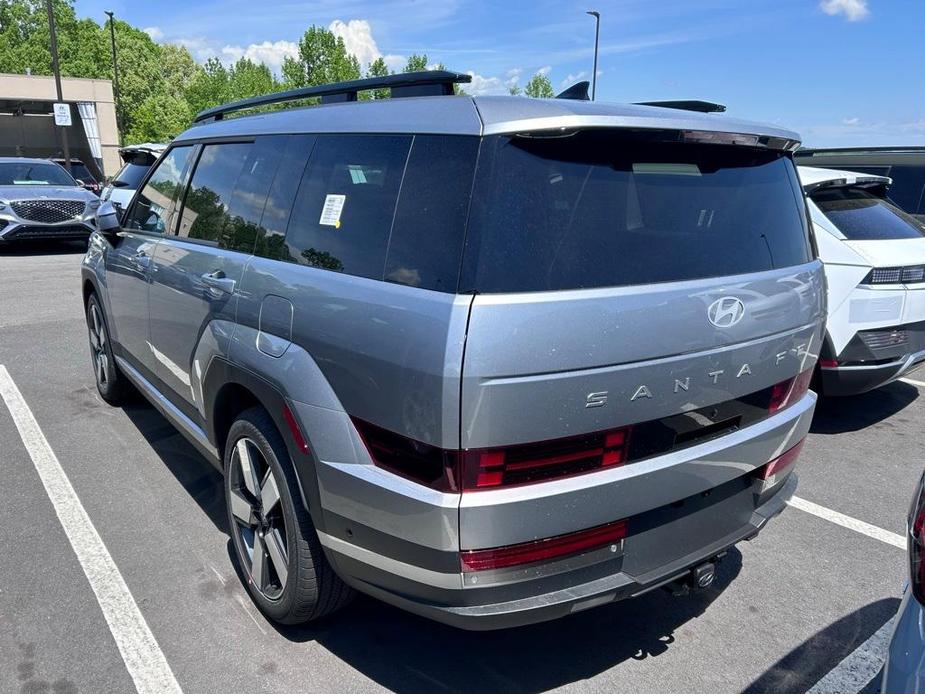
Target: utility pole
115 74
597 36
57 71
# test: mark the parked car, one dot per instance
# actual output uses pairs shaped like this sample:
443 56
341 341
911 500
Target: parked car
874 256
80 172
493 360
904 165
137 159
904 670
39 199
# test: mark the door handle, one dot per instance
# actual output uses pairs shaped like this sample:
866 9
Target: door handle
140 260
217 283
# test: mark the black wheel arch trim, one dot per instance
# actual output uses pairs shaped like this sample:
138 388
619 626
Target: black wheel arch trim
220 374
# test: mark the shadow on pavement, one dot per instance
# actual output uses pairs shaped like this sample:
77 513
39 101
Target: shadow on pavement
31 248
403 652
810 661
840 415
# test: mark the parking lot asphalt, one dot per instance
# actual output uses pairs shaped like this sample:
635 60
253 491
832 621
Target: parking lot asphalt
785 609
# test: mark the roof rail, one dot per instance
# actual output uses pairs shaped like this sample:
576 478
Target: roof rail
424 83
687 105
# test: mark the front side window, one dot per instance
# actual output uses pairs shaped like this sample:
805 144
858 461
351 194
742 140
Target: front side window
344 208
155 203
208 201
862 215
604 208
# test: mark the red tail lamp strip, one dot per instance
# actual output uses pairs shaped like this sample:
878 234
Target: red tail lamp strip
542 550
295 430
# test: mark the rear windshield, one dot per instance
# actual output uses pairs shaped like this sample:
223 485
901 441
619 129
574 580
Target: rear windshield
130 175
31 174
599 209
862 215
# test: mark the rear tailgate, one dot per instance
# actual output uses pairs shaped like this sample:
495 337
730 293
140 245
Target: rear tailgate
625 285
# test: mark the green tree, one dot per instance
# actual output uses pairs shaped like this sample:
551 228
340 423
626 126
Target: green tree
378 68
247 78
159 118
323 59
514 90
539 87
416 63
209 87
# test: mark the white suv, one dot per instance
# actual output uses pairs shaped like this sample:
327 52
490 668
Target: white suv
874 256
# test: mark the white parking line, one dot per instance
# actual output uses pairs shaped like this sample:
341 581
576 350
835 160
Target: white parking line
143 657
860 666
920 384
841 519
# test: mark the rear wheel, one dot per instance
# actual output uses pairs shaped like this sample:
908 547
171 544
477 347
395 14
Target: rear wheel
275 542
110 382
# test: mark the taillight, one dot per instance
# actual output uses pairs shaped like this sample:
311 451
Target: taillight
492 468
828 363
911 274
916 540
770 472
787 392
536 462
544 550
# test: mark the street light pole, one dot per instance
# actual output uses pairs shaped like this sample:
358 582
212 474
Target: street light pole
597 36
55 68
115 74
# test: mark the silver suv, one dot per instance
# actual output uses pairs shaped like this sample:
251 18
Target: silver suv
494 360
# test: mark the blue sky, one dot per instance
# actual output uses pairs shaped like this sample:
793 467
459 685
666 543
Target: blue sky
840 72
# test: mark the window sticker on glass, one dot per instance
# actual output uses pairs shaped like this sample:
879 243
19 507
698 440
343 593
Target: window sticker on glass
330 213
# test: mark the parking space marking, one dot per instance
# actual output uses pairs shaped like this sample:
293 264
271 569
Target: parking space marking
140 651
859 667
841 519
912 381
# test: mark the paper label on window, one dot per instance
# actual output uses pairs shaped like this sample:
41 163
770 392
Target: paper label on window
330 213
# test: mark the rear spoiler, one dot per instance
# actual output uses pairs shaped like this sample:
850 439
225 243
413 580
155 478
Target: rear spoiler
859 181
687 105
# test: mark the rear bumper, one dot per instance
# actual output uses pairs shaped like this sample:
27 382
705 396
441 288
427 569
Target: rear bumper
854 380
572 598
904 670
682 509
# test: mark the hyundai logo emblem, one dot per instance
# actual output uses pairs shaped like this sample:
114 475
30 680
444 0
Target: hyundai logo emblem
726 312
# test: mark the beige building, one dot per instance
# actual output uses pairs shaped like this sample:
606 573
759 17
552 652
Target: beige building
27 124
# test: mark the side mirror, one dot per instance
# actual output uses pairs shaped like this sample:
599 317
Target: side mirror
107 220
80 183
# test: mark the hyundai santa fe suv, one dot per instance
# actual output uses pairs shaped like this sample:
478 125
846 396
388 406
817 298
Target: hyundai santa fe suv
494 360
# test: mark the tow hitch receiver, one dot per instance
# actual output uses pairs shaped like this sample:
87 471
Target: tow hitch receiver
697 579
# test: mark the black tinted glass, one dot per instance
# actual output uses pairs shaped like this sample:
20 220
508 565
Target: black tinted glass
250 193
130 175
271 240
426 243
599 209
154 205
206 208
345 204
34 174
863 215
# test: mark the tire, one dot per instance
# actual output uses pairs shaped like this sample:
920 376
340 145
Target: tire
307 588
110 381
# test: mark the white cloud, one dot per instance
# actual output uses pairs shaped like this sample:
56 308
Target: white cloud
851 121
571 78
853 10
358 39
545 70
156 33
270 53
485 86
395 63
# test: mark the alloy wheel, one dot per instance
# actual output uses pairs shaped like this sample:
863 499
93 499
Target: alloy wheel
259 526
101 366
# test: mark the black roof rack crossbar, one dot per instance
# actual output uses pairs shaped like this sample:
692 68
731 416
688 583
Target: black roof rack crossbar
687 105
424 83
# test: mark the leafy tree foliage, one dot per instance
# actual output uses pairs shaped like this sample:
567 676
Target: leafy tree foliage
539 87
323 58
416 63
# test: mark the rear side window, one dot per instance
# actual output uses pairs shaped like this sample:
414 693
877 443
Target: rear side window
271 241
154 205
206 208
599 209
862 215
425 248
344 208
